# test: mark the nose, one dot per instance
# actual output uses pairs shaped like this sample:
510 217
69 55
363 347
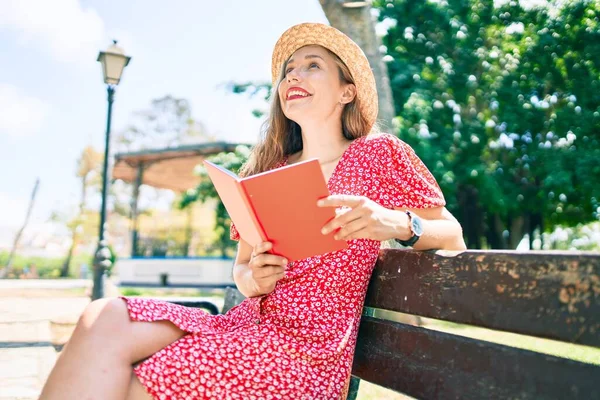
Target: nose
293 75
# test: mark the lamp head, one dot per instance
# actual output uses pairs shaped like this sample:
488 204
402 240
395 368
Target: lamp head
113 62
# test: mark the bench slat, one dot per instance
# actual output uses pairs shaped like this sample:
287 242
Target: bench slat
205 305
546 294
434 365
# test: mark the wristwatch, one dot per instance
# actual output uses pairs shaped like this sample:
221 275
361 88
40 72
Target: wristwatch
416 227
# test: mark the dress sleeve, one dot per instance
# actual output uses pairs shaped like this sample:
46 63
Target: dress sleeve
233 233
406 180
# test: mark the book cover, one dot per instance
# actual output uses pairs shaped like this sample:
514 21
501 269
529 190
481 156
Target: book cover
279 206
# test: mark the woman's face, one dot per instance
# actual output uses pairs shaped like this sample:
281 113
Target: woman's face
311 89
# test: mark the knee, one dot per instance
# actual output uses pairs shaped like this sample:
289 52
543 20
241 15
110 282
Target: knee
105 316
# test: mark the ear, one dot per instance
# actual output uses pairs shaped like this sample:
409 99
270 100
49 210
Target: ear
348 94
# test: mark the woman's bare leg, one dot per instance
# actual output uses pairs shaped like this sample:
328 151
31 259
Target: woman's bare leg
97 361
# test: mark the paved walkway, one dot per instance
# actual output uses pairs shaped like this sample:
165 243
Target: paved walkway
26 352
26 309
13 284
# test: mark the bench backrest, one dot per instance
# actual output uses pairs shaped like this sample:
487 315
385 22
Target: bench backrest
543 294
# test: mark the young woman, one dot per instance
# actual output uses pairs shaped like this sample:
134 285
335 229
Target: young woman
294 336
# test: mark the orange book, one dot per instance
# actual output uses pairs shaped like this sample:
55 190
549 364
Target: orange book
279 206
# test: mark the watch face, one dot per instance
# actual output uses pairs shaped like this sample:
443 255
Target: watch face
417 226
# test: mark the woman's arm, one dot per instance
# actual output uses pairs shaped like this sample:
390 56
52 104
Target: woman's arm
440 229
242 275
366 219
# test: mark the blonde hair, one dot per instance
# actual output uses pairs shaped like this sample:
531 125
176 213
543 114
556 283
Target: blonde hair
282 137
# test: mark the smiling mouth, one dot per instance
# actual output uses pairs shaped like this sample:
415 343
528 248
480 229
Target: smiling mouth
297 94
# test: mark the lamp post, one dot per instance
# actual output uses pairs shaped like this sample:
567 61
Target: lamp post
113 62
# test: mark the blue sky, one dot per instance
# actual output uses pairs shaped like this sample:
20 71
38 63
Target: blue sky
53 99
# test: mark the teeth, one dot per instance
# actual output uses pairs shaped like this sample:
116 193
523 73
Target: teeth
297 93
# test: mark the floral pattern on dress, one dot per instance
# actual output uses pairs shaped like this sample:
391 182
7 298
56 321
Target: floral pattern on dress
298 341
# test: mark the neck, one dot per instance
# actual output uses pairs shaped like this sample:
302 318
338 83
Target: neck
323 141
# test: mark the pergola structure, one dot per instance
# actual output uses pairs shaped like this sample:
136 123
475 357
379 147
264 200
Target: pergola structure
170 168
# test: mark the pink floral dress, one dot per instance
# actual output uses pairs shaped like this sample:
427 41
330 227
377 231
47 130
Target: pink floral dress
298 341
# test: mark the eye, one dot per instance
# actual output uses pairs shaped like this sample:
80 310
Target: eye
288 70
313 65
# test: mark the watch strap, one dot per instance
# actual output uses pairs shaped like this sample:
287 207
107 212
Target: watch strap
414 238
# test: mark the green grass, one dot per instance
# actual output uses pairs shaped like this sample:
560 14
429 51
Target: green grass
552 347
46 267
369 391
571 351
169 292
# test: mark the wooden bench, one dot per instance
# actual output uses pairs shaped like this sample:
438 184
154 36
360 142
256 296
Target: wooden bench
541 294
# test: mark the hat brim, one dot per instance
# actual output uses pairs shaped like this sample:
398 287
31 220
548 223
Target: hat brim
337 42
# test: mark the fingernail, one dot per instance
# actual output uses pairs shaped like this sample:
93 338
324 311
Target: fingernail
320 202
324 231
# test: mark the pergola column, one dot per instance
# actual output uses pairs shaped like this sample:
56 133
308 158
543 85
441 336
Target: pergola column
134 208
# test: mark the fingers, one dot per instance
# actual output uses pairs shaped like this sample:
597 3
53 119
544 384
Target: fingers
266 268
266 284
341 220
269 272
338 200
342 210
355 203
261 248
263 260
351 230
260 258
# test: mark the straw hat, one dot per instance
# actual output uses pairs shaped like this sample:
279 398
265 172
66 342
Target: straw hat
330 38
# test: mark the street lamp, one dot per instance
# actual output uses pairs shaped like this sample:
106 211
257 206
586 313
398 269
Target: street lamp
113 62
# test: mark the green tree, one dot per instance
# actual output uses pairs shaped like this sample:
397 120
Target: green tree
167 123
205 191
89 167
6 270
502 103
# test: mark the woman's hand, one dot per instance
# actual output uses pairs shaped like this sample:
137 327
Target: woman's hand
266 268
364 219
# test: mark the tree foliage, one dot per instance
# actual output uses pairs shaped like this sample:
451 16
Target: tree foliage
502 102
168 122
89 172
205 191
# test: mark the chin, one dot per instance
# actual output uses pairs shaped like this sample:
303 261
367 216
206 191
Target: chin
301 116
293 116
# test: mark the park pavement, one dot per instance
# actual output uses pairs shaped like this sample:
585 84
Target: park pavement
26 309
